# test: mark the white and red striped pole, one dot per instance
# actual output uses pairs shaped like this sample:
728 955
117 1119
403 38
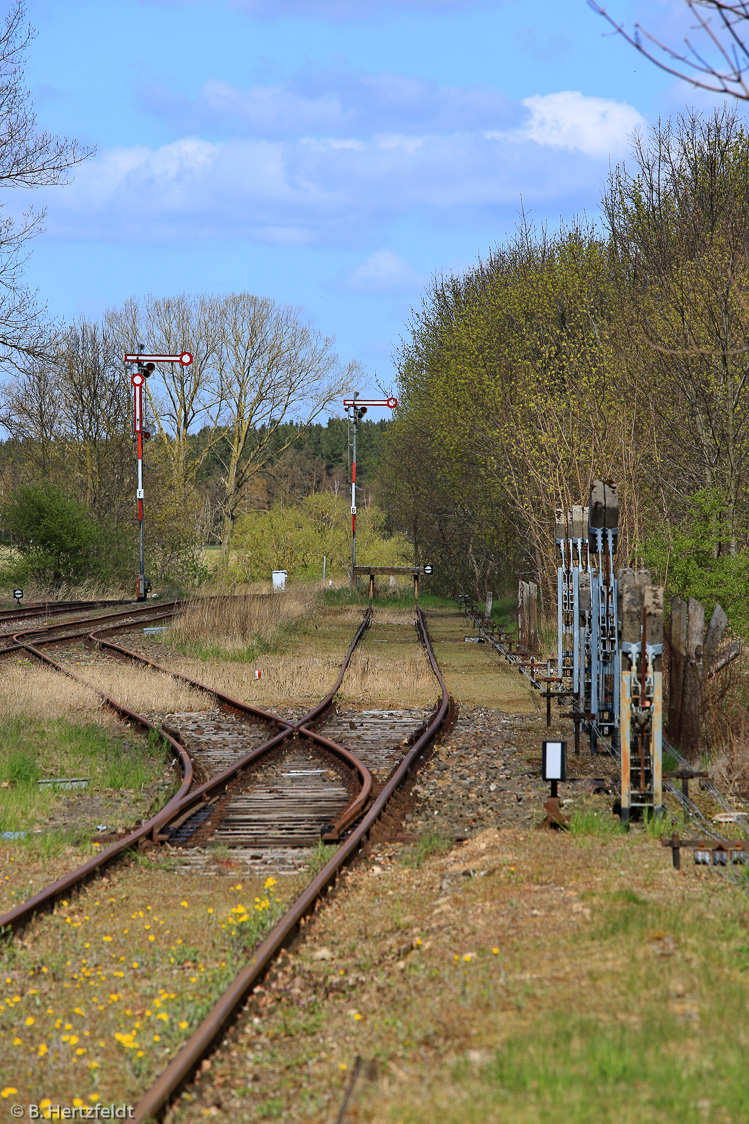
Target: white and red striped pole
356 408
142 367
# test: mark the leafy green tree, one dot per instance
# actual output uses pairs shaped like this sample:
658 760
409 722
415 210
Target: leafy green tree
59 540
693 560
295 537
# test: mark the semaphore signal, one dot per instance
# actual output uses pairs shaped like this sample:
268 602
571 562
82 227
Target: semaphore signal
142 367
356 408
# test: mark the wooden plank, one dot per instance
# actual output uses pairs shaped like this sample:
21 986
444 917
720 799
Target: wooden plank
714 635
409 571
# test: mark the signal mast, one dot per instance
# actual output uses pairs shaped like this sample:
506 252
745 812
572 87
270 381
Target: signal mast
356 408
141 367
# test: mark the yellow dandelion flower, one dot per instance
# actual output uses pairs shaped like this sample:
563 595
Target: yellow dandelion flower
73 1039
30 1020
184 905
80 1051
42 1050
157 1038
357 1017
183 1025
468 958
77 1102
8 1091
495 951
342 1065
94 1097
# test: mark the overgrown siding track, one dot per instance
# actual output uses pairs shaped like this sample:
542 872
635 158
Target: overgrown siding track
286 791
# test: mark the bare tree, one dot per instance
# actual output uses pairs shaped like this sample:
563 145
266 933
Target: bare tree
273 369
182 399
29 157
714 58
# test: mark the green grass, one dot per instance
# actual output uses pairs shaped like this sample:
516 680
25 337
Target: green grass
432 842
667 1044
31 751
322 854
587 820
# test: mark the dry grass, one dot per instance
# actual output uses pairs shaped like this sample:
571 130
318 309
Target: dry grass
141 689
388 681
285 680
238 624
33 691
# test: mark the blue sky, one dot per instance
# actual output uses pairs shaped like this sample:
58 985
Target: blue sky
331 154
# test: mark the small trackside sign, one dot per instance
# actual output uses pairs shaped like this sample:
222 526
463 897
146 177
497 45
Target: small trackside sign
18 594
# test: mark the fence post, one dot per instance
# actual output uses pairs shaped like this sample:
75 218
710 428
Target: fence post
694 678
677 659
532 616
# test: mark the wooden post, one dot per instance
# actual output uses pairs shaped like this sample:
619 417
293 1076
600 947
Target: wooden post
371 586
416 587
488 609
532 616
522 619
694 679
677 658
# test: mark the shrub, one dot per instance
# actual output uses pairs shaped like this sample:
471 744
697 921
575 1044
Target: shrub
295 538
59 540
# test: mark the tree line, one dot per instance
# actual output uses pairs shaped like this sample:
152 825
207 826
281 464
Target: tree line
616 347
239 430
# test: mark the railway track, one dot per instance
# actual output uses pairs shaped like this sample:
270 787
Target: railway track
277 795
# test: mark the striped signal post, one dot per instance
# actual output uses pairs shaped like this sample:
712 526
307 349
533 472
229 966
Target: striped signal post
141 367
356 408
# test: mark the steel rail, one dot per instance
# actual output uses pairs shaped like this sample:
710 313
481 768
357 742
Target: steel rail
185 797
218 783
146 613
21 914
55 608
204 1039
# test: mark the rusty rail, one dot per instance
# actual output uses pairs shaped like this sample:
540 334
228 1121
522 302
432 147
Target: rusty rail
204 1039
185 798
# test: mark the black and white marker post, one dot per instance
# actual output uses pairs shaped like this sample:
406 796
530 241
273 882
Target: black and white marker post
554 769
356 408
141 367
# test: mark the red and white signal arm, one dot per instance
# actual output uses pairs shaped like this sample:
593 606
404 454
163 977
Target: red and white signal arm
391 403
185 358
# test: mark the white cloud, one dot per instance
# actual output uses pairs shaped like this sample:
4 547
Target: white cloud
385 274
568 119
344 187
